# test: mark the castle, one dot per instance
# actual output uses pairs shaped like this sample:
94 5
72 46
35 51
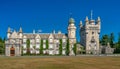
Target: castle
89 35
17 42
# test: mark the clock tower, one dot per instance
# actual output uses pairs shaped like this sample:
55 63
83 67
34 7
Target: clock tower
71 35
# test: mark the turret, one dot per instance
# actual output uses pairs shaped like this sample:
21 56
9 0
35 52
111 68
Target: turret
71 35
86 21
8 32
20 33
98 21
71 29
81 24
71 21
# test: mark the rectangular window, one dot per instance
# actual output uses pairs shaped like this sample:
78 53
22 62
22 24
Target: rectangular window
51 52
63 52
50 45
37 46
37 51
57 52
57 41
31 46
44 46
51 40
64 40
24 46
44 41
37 40
24 40
31 41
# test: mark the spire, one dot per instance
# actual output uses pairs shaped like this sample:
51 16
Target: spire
91 14
53 31
80 24
59 32
86 18
98 19
33 31
20 30
9 30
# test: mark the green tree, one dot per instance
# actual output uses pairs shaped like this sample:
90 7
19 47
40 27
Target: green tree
117 45
104 40
41 47
60 47
28 46
47 44
111 40
74 48
2 46
67 47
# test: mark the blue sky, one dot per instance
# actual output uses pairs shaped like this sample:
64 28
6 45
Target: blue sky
48 15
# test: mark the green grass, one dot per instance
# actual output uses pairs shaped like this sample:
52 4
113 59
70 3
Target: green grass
59 62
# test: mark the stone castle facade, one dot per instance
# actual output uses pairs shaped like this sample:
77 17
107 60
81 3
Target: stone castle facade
89 35
16 43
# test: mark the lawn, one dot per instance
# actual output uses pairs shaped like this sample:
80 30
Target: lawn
53 62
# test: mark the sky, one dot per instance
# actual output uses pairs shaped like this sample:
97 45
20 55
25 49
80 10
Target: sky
49 15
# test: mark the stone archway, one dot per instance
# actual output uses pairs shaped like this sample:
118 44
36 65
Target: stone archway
12 51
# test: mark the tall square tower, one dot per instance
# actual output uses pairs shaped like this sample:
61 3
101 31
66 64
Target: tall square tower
89 35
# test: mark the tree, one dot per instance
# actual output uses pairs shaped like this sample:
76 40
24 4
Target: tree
74 48
111 40
2 46
118 41
117 45
67 47
47 44
41 47
28 46
104 40
60 47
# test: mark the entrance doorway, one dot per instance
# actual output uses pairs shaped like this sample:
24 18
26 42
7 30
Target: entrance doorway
12 51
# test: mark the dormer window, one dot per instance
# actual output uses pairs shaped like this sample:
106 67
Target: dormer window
37 40
44 41
51 40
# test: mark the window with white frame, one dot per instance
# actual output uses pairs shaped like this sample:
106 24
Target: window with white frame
31 41
24 40
63 52
51 40
37 51
44 45
57 51
30 45
51 52
37 46
64 40
57 41
44 41
24 45
50 45
37 40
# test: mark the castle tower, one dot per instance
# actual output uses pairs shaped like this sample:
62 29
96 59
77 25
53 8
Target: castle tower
8 32
20 33
71 35
89 35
